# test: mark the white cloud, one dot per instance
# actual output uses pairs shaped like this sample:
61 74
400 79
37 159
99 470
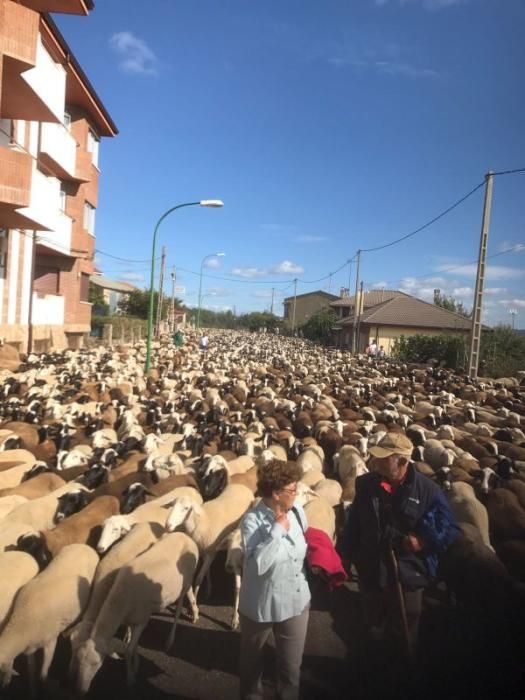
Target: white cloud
213 263
286 267
493 272
248 272
494 291
218 291
310 239
380 285
132 277
267 294
427 4
462 292
520 303
135 56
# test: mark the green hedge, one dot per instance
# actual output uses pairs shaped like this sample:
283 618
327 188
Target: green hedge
449 350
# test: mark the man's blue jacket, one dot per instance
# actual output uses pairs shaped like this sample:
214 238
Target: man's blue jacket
377 521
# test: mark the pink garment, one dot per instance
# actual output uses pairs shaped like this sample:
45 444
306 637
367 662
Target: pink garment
322 555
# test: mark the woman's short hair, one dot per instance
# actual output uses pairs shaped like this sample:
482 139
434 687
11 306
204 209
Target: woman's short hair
275 475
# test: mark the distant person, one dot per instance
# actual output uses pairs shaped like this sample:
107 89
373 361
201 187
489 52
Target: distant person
381 354
372 348
178 338
203 343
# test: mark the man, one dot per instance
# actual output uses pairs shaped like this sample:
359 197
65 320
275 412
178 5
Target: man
397 525
203 343
372 348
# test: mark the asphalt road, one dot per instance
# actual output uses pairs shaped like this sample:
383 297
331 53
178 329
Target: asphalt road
455 660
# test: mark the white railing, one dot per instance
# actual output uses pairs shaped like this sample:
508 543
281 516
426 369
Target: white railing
48 81
60 237
58 144
48 310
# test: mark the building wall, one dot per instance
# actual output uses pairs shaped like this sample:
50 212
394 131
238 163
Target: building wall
40 155
305 308
386 335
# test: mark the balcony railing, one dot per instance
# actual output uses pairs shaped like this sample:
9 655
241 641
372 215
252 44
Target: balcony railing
47 80
18 36
48 310
58 149
59 238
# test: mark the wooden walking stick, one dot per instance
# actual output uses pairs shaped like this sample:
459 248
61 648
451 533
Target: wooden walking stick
401 603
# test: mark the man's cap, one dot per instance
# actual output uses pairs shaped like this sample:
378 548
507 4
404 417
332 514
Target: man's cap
392 444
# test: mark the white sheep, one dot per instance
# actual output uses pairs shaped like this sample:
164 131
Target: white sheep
329 489
46 606
319 513
9 503
210 523
165 465
148 584
115 527
234 564
138 540
466 508
311 458
17 569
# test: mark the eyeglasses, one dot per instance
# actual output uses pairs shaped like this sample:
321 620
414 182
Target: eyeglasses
292 492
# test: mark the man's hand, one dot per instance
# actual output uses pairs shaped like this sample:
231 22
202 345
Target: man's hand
413 543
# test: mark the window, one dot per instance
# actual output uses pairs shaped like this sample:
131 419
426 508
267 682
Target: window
92 146
67 121
46 280
84 287
89 218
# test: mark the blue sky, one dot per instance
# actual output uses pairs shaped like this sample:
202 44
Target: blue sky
325 126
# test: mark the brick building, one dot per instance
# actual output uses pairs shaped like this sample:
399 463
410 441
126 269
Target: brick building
306 305
51 124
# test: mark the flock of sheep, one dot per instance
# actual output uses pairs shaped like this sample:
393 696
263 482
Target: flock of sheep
115 486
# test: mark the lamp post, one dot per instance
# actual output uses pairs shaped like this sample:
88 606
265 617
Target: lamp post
212 203
199 302
513 313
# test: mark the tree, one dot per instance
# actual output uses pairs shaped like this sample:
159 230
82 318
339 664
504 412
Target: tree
96 297
136 303
450 304
319 326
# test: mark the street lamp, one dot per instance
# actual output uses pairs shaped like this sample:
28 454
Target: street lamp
513 313
199 302
210 203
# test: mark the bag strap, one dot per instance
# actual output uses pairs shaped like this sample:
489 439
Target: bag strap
296 513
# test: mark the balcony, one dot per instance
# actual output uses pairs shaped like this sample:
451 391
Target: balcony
58 150
48 310
59 239
85 167
43 202
15 177
37 94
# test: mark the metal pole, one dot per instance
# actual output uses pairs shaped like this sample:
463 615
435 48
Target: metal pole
294 303
354 325
271 307
475 337
349 275
31 285
360 311
173 280
152 280
160 297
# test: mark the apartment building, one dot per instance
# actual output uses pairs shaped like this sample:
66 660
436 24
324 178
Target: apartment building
51 125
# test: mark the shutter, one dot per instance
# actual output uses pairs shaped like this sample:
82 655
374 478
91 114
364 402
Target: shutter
84 287
46 280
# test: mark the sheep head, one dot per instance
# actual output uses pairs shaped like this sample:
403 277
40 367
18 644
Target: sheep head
113 529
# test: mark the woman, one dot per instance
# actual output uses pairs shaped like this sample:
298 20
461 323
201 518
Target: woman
274 592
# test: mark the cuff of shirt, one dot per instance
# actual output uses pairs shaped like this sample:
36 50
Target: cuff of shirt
277 530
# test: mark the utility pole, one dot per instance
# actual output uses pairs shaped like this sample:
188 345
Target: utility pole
329 282
356 309
294 303
475 337
271 307
31 287
349 276
173 280
360 309
161 292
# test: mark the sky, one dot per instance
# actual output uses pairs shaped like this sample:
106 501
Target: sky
325 126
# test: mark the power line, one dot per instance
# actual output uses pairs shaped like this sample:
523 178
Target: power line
510 172
429 223
115 257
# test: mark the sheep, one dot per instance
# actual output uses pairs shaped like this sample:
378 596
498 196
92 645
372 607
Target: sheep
233 565
39 514
17 569
330 490
14 458
141 537
38 486
165 465
9 503
467 509
46 606
319 513
506 516
512 554
148 584
13 476
210 523
311 458
116 526
137 493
